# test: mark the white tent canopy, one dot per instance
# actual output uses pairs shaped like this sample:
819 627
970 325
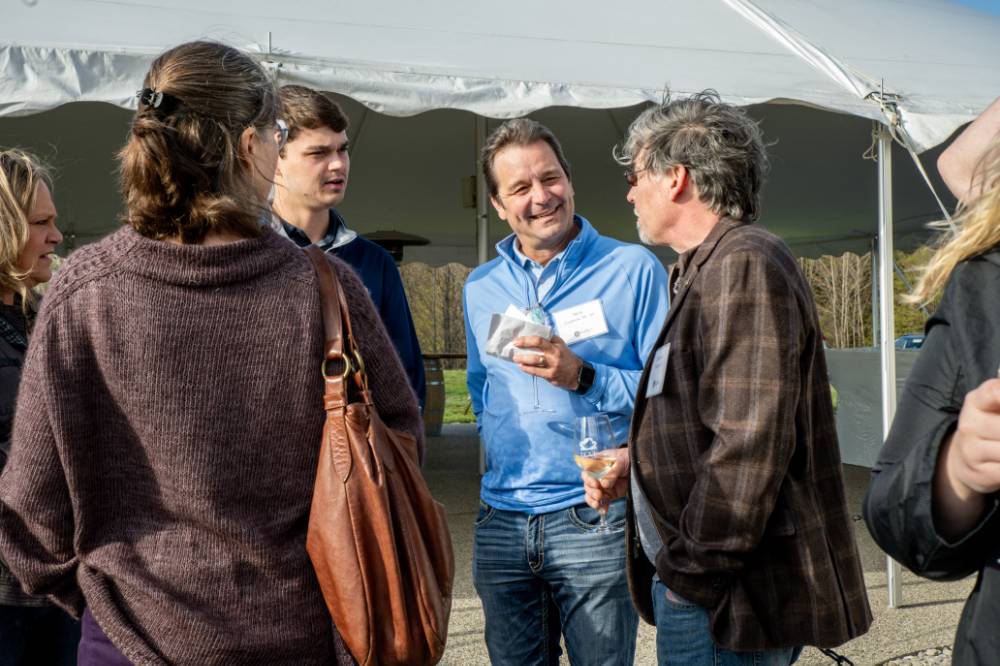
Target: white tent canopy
503 60
561 60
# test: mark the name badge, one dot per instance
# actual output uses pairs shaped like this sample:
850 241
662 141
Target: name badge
658 371
581 322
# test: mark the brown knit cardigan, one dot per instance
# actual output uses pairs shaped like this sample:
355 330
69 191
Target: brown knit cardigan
165 446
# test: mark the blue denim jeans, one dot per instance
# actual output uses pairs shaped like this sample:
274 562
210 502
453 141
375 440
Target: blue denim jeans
540 576
683 637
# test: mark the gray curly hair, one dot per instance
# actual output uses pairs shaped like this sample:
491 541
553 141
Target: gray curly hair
719 144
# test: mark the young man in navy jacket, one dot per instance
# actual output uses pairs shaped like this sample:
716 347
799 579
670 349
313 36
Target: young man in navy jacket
310 180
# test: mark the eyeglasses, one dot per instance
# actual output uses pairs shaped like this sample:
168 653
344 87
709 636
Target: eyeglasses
632 175
280 133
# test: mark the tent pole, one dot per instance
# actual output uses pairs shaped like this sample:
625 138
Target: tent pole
875 309
482 231
482 212
886 323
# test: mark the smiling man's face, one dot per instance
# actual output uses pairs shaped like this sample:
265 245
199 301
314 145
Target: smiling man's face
313 169
535 197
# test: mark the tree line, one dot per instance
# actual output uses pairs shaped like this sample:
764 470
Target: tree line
842 287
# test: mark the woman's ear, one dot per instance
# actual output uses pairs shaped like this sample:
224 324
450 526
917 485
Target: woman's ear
247 146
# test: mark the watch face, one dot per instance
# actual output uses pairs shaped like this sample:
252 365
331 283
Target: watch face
585 378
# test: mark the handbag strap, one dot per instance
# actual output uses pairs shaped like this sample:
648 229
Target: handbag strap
336 322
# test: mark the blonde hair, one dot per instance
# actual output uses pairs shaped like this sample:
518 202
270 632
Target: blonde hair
182 171
20 175
977 229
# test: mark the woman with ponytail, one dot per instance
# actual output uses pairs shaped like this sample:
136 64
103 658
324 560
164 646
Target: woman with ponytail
933 500
32 630
170 413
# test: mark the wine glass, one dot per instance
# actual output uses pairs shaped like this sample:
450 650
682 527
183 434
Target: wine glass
595 451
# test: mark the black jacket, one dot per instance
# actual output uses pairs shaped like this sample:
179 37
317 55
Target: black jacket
962 350
13 342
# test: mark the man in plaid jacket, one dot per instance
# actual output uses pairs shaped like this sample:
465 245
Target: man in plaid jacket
740 548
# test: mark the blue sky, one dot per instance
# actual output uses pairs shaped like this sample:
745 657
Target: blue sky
991 6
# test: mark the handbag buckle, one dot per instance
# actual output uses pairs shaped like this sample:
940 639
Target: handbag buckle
358 366
348 367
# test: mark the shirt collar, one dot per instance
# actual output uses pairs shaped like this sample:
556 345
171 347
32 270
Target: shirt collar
296 234
527 262
337 233
699 253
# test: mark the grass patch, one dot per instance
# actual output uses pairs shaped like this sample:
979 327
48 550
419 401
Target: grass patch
457 408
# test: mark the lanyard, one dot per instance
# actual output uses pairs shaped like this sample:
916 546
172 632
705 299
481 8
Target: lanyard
536 313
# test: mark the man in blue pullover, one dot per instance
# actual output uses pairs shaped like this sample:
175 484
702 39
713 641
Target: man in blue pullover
311 178
539 566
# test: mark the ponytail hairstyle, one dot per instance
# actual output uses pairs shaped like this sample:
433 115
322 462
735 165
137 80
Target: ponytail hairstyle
20 175
182 171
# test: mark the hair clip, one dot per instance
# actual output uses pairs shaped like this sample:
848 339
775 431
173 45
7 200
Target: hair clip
150 97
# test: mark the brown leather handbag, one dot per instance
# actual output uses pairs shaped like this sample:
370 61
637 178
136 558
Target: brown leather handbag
377 539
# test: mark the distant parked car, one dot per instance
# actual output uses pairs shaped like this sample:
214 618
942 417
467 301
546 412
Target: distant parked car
910 341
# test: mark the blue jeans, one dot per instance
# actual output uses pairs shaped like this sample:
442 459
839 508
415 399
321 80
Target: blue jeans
683 637
542 575
37 635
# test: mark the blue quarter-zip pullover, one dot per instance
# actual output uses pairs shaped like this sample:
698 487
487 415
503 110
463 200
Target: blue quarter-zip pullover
527 423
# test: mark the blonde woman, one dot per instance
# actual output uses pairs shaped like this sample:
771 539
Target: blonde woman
32 629
932 503
171 411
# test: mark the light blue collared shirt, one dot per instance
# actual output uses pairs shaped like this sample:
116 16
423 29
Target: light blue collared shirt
524 420
543 276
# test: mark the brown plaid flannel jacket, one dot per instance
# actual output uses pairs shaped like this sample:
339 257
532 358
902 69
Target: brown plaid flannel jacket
738 455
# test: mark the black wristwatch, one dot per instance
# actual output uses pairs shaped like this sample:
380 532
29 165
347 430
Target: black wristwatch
585 378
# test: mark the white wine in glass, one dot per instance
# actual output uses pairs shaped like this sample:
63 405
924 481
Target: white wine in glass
598 465
595 451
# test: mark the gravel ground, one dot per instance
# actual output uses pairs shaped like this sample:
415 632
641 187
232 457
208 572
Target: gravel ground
902 636
938 656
